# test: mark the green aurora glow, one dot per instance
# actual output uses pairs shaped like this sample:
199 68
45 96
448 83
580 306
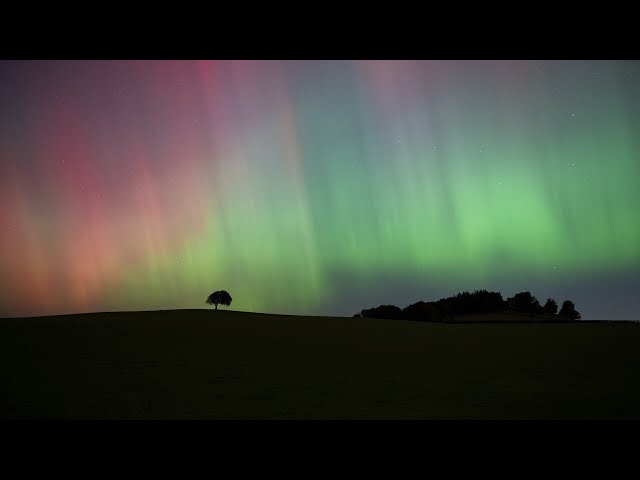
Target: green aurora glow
297 186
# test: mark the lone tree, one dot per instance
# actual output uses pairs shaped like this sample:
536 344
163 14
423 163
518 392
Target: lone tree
221 297
569 310
550 307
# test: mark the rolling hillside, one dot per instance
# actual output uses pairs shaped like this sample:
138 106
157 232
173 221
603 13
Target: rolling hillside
200 364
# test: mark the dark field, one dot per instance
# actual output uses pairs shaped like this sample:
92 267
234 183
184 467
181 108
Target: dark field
198 364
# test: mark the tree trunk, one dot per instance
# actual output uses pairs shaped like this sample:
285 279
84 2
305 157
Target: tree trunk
216 306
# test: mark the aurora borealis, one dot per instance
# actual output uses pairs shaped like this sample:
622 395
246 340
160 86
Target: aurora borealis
317 187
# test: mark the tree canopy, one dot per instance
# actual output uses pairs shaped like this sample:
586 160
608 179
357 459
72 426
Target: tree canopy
550 307
524 302
221 297
569 310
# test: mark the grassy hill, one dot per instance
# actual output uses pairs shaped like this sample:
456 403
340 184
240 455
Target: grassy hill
199 364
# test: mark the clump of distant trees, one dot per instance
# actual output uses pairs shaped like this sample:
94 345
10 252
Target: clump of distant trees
478 301
524 302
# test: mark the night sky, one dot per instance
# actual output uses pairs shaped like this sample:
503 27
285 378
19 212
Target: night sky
317 187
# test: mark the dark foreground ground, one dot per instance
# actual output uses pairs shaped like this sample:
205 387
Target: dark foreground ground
198 364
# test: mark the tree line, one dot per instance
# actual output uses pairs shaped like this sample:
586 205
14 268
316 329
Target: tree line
478 301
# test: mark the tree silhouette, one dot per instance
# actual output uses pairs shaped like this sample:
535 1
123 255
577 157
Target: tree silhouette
569 310
480 301
423 311
524 302
221 297
551 306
